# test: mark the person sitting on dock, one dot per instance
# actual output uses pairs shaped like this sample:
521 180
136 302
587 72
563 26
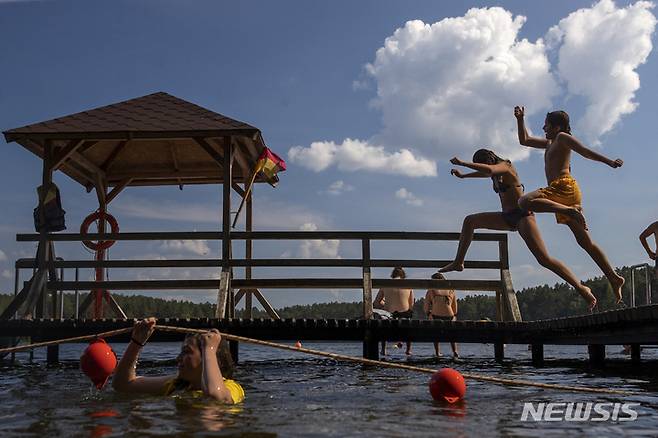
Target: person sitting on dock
398 301
204 366
441 304
562 195
506 183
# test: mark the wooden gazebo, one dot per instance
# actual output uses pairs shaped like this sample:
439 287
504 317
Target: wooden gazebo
152 140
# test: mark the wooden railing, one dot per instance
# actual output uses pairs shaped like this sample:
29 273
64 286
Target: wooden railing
507 307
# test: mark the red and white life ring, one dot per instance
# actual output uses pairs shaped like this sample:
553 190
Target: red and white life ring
84 229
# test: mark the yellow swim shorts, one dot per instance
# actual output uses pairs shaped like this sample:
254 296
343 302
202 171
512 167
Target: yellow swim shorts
563 190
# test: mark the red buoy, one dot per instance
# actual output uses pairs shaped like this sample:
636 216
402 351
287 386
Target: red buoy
447 385
98 362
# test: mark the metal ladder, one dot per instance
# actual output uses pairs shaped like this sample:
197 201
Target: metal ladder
647 283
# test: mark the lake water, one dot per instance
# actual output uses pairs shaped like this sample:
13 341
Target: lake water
291 394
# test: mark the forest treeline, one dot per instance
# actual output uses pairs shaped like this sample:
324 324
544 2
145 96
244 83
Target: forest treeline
539 302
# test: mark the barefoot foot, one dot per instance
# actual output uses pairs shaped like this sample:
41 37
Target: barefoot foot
454 266
617 282
586 293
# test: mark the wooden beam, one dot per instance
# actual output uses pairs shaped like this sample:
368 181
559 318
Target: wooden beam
240 294
114 155
44 254
66 152
174 159
511 311
266 305
225 276
88 165
210 262
101 195
210 150
165 174
30 288
238 189
239 157
117 189
226 205
277 283
269 235
537 354
88 144
248 305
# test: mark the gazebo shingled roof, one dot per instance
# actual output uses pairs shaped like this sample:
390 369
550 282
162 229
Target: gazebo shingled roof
156 139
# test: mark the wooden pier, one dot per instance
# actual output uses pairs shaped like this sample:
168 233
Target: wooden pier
632 326
161 140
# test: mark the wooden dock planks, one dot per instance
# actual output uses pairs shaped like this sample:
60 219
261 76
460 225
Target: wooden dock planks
637 325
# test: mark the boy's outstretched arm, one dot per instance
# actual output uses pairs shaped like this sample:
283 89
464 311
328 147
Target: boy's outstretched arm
572 143
524 138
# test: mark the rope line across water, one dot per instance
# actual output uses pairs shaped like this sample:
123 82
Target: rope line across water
341 357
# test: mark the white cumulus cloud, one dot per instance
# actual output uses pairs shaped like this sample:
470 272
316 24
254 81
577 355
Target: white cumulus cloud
353 155
600 49
339 187
408 197
317 248
445 89
198 247
450 87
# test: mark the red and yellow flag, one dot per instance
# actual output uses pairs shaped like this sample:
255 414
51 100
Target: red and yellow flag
270 164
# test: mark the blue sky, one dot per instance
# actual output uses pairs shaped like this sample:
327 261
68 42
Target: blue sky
310 76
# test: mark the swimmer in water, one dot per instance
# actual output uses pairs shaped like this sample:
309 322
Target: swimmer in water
204 366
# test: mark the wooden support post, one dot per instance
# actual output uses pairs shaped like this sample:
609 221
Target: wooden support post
636 355
499 351
222 295
537 354
52 354
367 279
231 304
266 305
225 276
510 306
370 345
43 251
248 305
499 308
596 354
234 347
101 194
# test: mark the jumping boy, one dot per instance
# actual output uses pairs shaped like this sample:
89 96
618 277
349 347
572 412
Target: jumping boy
562 196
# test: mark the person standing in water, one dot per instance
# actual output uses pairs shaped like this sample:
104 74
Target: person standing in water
441 305
486 164
398 301
205 367
562 195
